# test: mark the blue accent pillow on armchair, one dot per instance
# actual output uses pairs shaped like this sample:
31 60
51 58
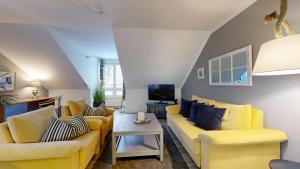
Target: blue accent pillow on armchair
186 107
209 118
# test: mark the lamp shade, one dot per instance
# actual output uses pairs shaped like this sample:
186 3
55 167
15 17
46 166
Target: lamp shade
35 84
279 57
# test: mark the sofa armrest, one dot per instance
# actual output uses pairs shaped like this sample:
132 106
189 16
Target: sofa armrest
243 137
173 109
94 124
38 151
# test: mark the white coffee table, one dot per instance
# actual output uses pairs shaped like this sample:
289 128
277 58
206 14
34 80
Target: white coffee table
131 140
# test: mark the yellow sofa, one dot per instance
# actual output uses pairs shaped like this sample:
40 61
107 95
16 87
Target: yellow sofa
77 106
20 147
242 142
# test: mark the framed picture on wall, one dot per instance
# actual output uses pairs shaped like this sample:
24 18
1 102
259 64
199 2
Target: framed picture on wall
7 81
200 73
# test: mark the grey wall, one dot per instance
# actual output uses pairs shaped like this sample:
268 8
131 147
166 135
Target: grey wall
278 96
21 88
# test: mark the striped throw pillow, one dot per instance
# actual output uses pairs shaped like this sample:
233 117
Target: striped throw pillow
57 131
89 111
99 111
79 125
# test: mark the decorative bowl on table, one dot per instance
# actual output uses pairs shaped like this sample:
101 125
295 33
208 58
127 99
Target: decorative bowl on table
136 121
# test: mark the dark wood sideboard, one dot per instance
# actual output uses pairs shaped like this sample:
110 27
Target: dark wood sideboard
21 106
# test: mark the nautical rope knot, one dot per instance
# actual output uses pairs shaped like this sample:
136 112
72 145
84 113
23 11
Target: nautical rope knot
281 20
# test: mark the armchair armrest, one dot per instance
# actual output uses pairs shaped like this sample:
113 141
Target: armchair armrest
173 109
243 137
34 151
102 118
110 111
94 124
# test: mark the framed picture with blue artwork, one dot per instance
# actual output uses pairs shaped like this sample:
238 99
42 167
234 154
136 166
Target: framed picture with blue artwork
7 81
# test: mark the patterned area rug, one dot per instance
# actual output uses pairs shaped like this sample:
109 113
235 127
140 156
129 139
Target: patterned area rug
175 157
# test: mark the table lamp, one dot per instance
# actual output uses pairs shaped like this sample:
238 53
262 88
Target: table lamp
35 84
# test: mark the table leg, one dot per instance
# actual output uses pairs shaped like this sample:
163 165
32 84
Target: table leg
161 141
113 149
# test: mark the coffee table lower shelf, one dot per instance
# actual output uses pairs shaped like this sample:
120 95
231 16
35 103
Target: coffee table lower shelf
137 145
131 146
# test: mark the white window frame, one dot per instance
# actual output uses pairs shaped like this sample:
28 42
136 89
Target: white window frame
114 89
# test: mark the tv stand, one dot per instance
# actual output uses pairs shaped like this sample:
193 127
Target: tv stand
161 102
158 108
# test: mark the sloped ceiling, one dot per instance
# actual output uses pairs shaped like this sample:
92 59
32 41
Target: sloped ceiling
157 56
69 30
33 49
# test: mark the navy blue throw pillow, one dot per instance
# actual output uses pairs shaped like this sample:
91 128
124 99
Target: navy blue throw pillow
209 118
194 109
186 107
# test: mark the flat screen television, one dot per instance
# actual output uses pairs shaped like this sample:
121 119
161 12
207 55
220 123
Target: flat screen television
161 92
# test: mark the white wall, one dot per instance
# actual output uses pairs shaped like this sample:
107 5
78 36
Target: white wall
71 94
136 99
157 55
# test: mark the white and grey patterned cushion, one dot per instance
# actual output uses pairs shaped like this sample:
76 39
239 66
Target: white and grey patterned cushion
89 111
57 131
99 111
79 125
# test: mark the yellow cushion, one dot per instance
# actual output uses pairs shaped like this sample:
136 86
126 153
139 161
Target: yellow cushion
5 136
203 100
224 106
29 127
239 118
76 106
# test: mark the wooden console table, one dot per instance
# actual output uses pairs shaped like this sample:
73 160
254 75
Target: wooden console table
21 106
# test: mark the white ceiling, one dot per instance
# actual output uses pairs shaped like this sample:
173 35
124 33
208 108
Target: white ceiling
75 24
162 14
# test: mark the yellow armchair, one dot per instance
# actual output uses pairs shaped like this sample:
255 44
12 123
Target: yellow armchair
74 154
107 121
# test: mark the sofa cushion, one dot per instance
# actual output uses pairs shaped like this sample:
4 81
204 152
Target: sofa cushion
57 131
99 111
239 118
203 100
5 136
79 125
193 111
76 106
226 106
185 107
30 127
209 118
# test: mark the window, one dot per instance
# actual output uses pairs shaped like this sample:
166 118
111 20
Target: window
232 69
113 79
